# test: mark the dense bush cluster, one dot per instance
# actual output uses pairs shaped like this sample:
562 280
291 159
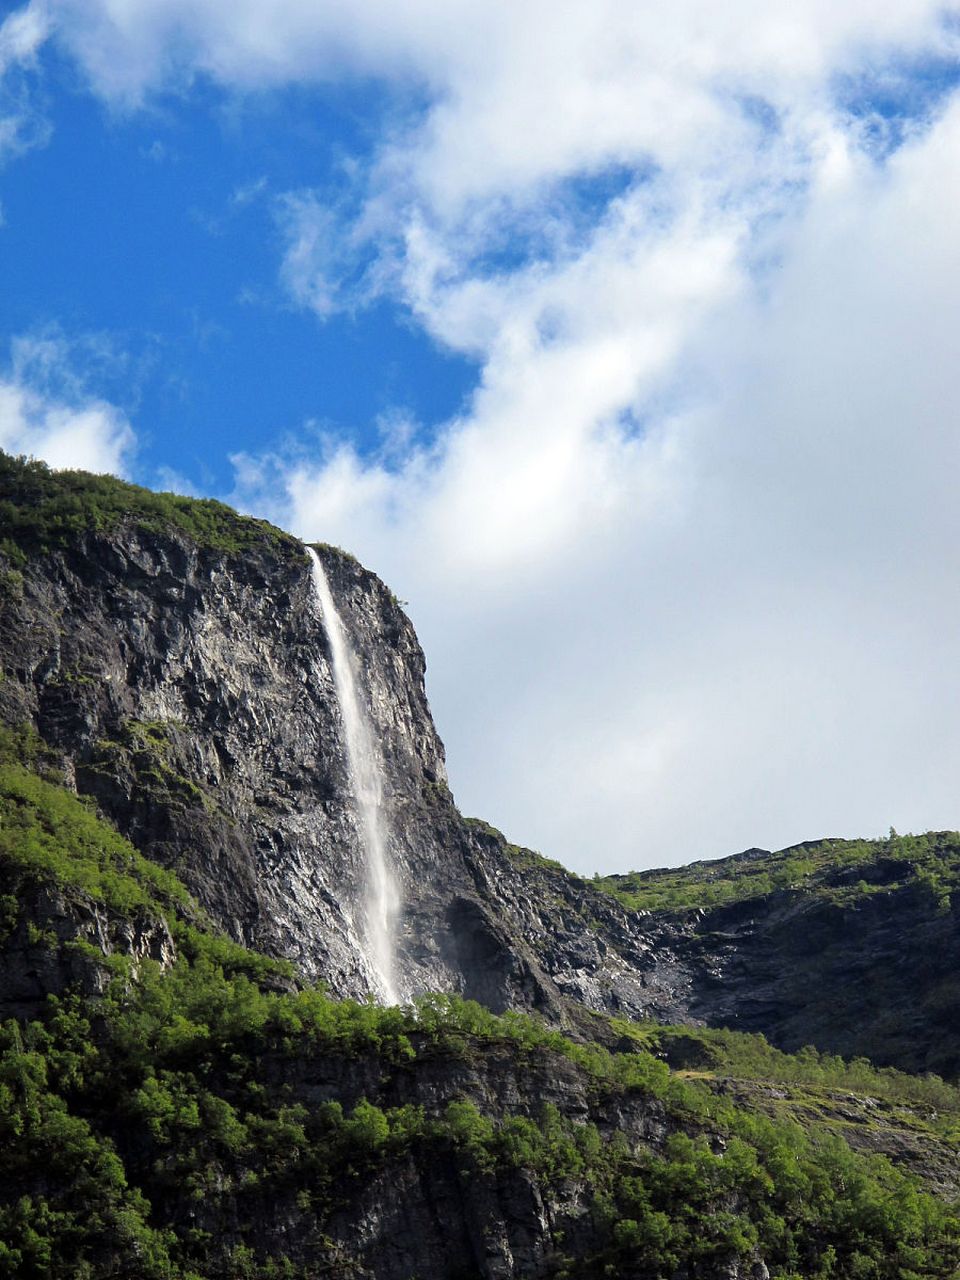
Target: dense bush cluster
155 1129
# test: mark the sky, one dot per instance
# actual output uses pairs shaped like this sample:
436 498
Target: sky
621 340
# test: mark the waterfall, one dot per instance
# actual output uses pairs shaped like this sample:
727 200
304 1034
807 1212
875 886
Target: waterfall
381 895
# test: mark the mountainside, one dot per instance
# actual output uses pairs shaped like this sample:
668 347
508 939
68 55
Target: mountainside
851 945
182 1109
181 862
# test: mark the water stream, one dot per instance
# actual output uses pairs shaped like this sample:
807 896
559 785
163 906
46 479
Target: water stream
381 893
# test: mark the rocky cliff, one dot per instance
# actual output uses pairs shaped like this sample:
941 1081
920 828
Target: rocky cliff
850 945
180 862
183 675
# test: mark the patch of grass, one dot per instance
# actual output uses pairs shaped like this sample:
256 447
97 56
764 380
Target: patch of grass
42 509
50 833
721 1052
348 556
841 870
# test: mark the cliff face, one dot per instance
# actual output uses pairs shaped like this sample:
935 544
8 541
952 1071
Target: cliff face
870 973
188 689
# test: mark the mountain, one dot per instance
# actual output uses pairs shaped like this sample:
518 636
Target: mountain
182 863
174 655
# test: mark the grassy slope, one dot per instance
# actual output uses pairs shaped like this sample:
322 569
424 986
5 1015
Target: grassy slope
41 509
130 1120
841 870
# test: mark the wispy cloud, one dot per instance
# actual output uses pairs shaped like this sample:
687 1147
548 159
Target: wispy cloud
329 263
22 122
248 192
22 33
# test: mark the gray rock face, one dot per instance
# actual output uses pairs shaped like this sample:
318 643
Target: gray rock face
875 976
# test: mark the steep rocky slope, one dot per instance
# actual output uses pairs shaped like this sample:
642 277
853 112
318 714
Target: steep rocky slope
853 946
184 677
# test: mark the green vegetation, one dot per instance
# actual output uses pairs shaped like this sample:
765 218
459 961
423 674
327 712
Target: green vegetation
175 1125
41 510
839 869
347 556
751 1057
922 1103
50 835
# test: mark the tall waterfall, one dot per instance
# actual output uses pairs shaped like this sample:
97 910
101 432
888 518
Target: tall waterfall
382 896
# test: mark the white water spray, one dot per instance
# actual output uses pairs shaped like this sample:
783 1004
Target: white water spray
382 897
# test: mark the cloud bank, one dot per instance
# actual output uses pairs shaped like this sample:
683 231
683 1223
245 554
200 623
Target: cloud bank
46 412
684 564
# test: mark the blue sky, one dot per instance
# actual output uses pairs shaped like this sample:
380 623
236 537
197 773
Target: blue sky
621 343
158 231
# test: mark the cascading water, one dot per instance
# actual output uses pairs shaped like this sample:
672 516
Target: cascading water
382 896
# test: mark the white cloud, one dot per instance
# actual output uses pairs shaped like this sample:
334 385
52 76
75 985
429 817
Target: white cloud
93 437
314 254
22 33
684 566
46 413
22 125
248 192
